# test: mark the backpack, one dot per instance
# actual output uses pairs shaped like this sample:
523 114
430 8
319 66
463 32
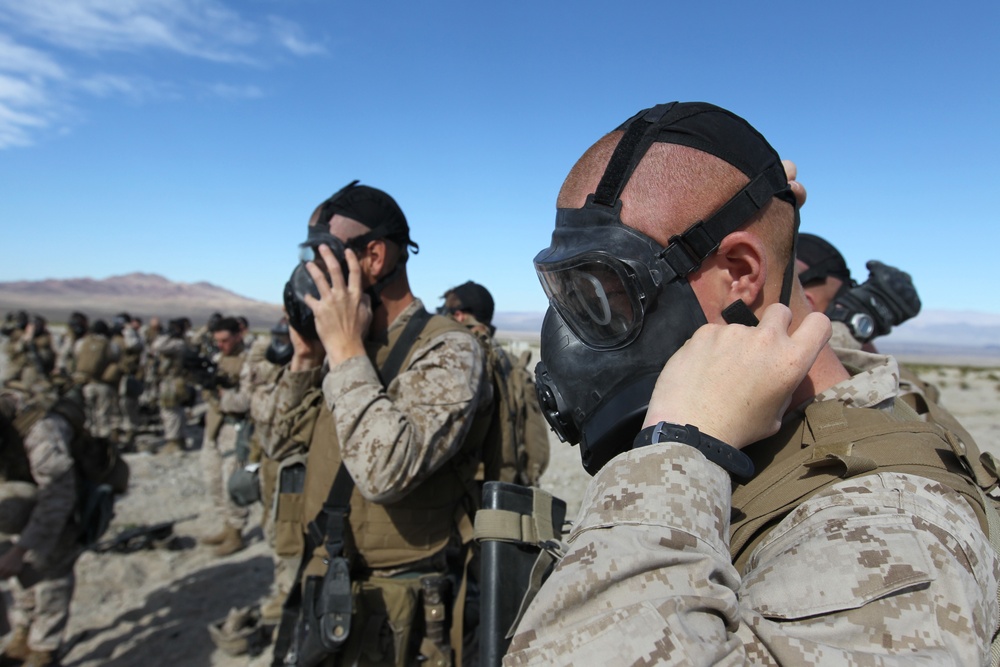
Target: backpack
517 447
101 473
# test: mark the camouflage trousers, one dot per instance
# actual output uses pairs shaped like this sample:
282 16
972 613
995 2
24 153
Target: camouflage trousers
43 590
100 402
173 422
218 462
128 404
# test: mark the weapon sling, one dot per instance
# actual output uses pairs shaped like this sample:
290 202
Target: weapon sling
328 528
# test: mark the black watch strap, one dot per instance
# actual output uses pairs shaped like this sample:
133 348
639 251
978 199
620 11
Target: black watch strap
725 456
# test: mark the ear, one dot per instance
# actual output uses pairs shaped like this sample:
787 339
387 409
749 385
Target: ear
742 262
375 258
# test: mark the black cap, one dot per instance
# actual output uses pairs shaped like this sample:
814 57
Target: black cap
373 208
476 299
821 258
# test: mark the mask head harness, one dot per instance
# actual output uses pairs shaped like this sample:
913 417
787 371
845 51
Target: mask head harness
369 206
823 260
620 303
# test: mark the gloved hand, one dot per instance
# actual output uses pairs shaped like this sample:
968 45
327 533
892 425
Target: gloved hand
871 309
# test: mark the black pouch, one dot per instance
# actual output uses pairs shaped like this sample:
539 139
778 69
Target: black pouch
325 619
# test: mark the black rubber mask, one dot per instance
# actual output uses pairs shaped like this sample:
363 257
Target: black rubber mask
620 303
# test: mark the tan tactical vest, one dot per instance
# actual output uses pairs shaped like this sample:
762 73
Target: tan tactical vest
416 526
834 442
92 359
130 359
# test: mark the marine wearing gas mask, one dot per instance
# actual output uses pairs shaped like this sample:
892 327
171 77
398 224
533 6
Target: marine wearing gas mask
621 303
358 202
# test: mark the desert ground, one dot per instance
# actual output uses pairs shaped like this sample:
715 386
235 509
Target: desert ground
152 607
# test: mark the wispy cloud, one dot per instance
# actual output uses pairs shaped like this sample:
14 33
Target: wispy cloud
292 37
234 92
38 85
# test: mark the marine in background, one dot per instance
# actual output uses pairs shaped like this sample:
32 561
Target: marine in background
97 371
76 328
169 352
38 531
226 426
861 313
523 452
125 334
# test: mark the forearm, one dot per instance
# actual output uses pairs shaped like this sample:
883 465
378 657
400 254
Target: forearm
391 440
648 572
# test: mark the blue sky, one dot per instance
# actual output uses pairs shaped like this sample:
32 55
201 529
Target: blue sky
192 138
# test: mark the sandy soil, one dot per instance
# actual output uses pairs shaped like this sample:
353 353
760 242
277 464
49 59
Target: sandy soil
152 607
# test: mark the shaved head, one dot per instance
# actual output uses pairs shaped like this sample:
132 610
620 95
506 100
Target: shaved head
672 188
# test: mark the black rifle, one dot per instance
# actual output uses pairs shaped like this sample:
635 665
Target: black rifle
141 537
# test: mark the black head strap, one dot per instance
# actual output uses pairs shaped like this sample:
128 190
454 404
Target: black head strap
715 131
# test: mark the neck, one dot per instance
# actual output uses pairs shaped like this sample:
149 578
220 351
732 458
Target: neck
396 297
826 371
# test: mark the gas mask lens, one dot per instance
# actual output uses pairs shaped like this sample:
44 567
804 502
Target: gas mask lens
597 296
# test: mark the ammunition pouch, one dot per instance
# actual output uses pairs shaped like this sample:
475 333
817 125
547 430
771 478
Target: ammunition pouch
325 618
289 537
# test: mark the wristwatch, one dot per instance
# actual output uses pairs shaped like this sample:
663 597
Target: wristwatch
725 456
861 325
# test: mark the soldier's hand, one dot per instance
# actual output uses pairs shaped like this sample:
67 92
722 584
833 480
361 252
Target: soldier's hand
12 562
306 353
888 298
735 382
799 190
343 311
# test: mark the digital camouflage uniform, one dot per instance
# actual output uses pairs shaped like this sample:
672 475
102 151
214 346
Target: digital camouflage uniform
129 385
96 370
391 441
169 361
228 408
259 376
882 569
43 522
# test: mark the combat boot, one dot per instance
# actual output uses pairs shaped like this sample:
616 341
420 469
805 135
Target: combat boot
39 659
232 542
17 645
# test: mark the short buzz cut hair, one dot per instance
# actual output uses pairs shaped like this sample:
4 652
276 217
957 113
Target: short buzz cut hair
230 324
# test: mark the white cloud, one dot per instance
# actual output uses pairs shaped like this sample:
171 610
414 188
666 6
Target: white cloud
233 92
292 38
39 84
198 28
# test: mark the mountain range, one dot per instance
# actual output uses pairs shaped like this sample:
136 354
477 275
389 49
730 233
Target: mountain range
932 332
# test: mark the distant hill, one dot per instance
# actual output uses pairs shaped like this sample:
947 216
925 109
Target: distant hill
933 333
142 295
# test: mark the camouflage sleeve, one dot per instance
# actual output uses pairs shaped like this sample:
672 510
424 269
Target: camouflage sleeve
391 440
271 408
64 354
843 338
47 446
887 569
236 400
133 342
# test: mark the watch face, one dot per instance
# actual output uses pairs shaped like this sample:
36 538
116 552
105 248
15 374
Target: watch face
863 326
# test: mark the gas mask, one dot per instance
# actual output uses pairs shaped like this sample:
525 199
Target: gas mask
620 303
279 351
360 203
